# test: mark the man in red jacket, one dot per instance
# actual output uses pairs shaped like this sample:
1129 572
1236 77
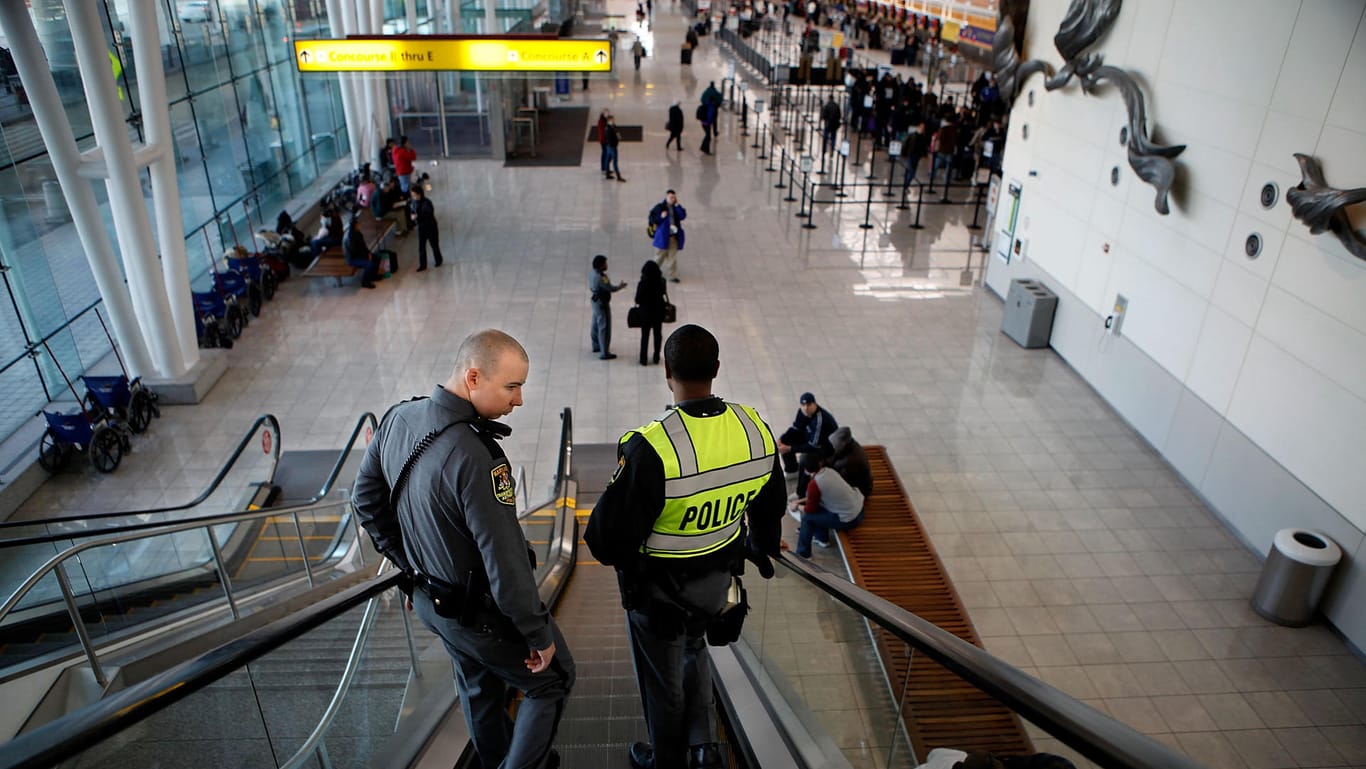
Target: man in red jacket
403 163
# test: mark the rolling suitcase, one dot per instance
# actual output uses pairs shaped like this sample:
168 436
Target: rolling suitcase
687 55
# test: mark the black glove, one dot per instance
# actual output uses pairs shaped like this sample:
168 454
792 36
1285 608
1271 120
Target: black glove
760 560
405 584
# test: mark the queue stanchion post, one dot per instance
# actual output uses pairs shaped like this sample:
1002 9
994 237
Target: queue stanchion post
893 153
872 161
771 153
825 150
868 210
791 180
781 164
919 199
801 209
905 190
744 115
810 203
843 163
976 206
948 179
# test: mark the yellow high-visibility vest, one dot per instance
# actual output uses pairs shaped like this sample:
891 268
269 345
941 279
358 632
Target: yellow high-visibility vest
713 467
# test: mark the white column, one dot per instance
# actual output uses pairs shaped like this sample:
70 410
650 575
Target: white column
491 26
131 223
49 114
379 116
350 106
156 122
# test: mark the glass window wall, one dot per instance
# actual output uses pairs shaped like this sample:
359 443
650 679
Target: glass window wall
249 134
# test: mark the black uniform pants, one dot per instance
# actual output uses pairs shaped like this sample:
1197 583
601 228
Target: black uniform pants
487 666
427 235
673 670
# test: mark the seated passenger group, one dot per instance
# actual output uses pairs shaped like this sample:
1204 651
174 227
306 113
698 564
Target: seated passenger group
832 474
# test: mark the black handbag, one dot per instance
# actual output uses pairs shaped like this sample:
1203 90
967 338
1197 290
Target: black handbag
633 317
670 312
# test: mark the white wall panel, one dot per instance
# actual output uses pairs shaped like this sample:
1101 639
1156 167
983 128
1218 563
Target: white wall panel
1219 355
1307 423
1284 134
1318 270
1093 272
1324 343
1315 56
1349 103
1163 317
1150 21
1264 266
1183 113
1239 292
1145 234
1278 216
1228 48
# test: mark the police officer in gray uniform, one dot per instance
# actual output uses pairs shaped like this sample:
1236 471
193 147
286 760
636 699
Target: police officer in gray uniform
453 528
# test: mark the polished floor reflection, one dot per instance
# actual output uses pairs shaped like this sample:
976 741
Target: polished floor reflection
1082 556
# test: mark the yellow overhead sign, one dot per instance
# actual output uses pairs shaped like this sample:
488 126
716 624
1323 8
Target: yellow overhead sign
476 54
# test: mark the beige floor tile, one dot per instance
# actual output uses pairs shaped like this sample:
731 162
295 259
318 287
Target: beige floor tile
1137 712
1184 713
1309 747
1212 750
1230 711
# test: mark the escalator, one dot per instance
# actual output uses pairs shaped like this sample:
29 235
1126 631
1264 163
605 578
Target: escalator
349 681
152 566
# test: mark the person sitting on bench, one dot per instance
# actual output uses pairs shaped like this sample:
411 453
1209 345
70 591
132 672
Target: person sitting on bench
329 232
358 254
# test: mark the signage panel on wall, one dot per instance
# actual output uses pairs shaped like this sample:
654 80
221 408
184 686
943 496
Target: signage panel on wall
481 53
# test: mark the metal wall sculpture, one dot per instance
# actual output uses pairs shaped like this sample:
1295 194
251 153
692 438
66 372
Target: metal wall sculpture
1085 23
1323 208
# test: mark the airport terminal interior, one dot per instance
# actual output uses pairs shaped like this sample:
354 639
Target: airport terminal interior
1136 543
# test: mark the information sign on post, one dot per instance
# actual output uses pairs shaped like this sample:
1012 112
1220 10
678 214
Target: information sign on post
894 149
758 106
844 148
807 163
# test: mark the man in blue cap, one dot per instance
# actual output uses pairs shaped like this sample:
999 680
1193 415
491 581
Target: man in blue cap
810 432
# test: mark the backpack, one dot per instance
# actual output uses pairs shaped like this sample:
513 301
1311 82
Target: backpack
701 112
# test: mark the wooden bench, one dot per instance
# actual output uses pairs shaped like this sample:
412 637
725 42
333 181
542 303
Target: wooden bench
331 263
890 554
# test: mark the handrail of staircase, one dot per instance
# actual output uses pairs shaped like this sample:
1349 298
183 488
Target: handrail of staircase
366 418
51 566
1095 735
69 735
273 449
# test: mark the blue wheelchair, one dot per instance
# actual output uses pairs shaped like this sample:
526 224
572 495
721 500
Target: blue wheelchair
261 280
237 289
130 403
102 441
216 321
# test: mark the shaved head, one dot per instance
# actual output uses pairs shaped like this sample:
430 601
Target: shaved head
483 350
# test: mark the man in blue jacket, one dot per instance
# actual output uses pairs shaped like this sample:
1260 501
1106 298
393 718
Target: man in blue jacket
809 433
666 219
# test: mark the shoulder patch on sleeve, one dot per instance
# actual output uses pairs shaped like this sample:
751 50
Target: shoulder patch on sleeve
621 465
504 489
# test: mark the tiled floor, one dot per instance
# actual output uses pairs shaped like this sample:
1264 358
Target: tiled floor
1083 557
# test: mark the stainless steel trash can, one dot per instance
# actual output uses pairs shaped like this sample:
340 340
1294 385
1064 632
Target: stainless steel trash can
1028 317
1294 576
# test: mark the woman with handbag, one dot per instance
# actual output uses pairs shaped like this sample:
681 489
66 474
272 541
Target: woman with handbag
651 295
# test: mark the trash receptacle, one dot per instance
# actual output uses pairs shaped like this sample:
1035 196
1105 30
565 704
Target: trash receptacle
1028 317
1294 576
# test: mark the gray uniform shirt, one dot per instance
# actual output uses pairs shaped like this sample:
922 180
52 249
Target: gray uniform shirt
458 512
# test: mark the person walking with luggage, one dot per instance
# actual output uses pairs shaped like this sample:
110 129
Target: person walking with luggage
675 126
424 215
600 290
666 231
447 517
637 51
651 293
675 565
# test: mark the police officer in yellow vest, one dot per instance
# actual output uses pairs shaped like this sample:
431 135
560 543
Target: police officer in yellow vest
696 492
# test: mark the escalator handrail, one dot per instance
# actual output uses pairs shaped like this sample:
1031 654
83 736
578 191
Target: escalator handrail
69 735
353 662
264 419
345 454
43 539
161 529
1095 735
